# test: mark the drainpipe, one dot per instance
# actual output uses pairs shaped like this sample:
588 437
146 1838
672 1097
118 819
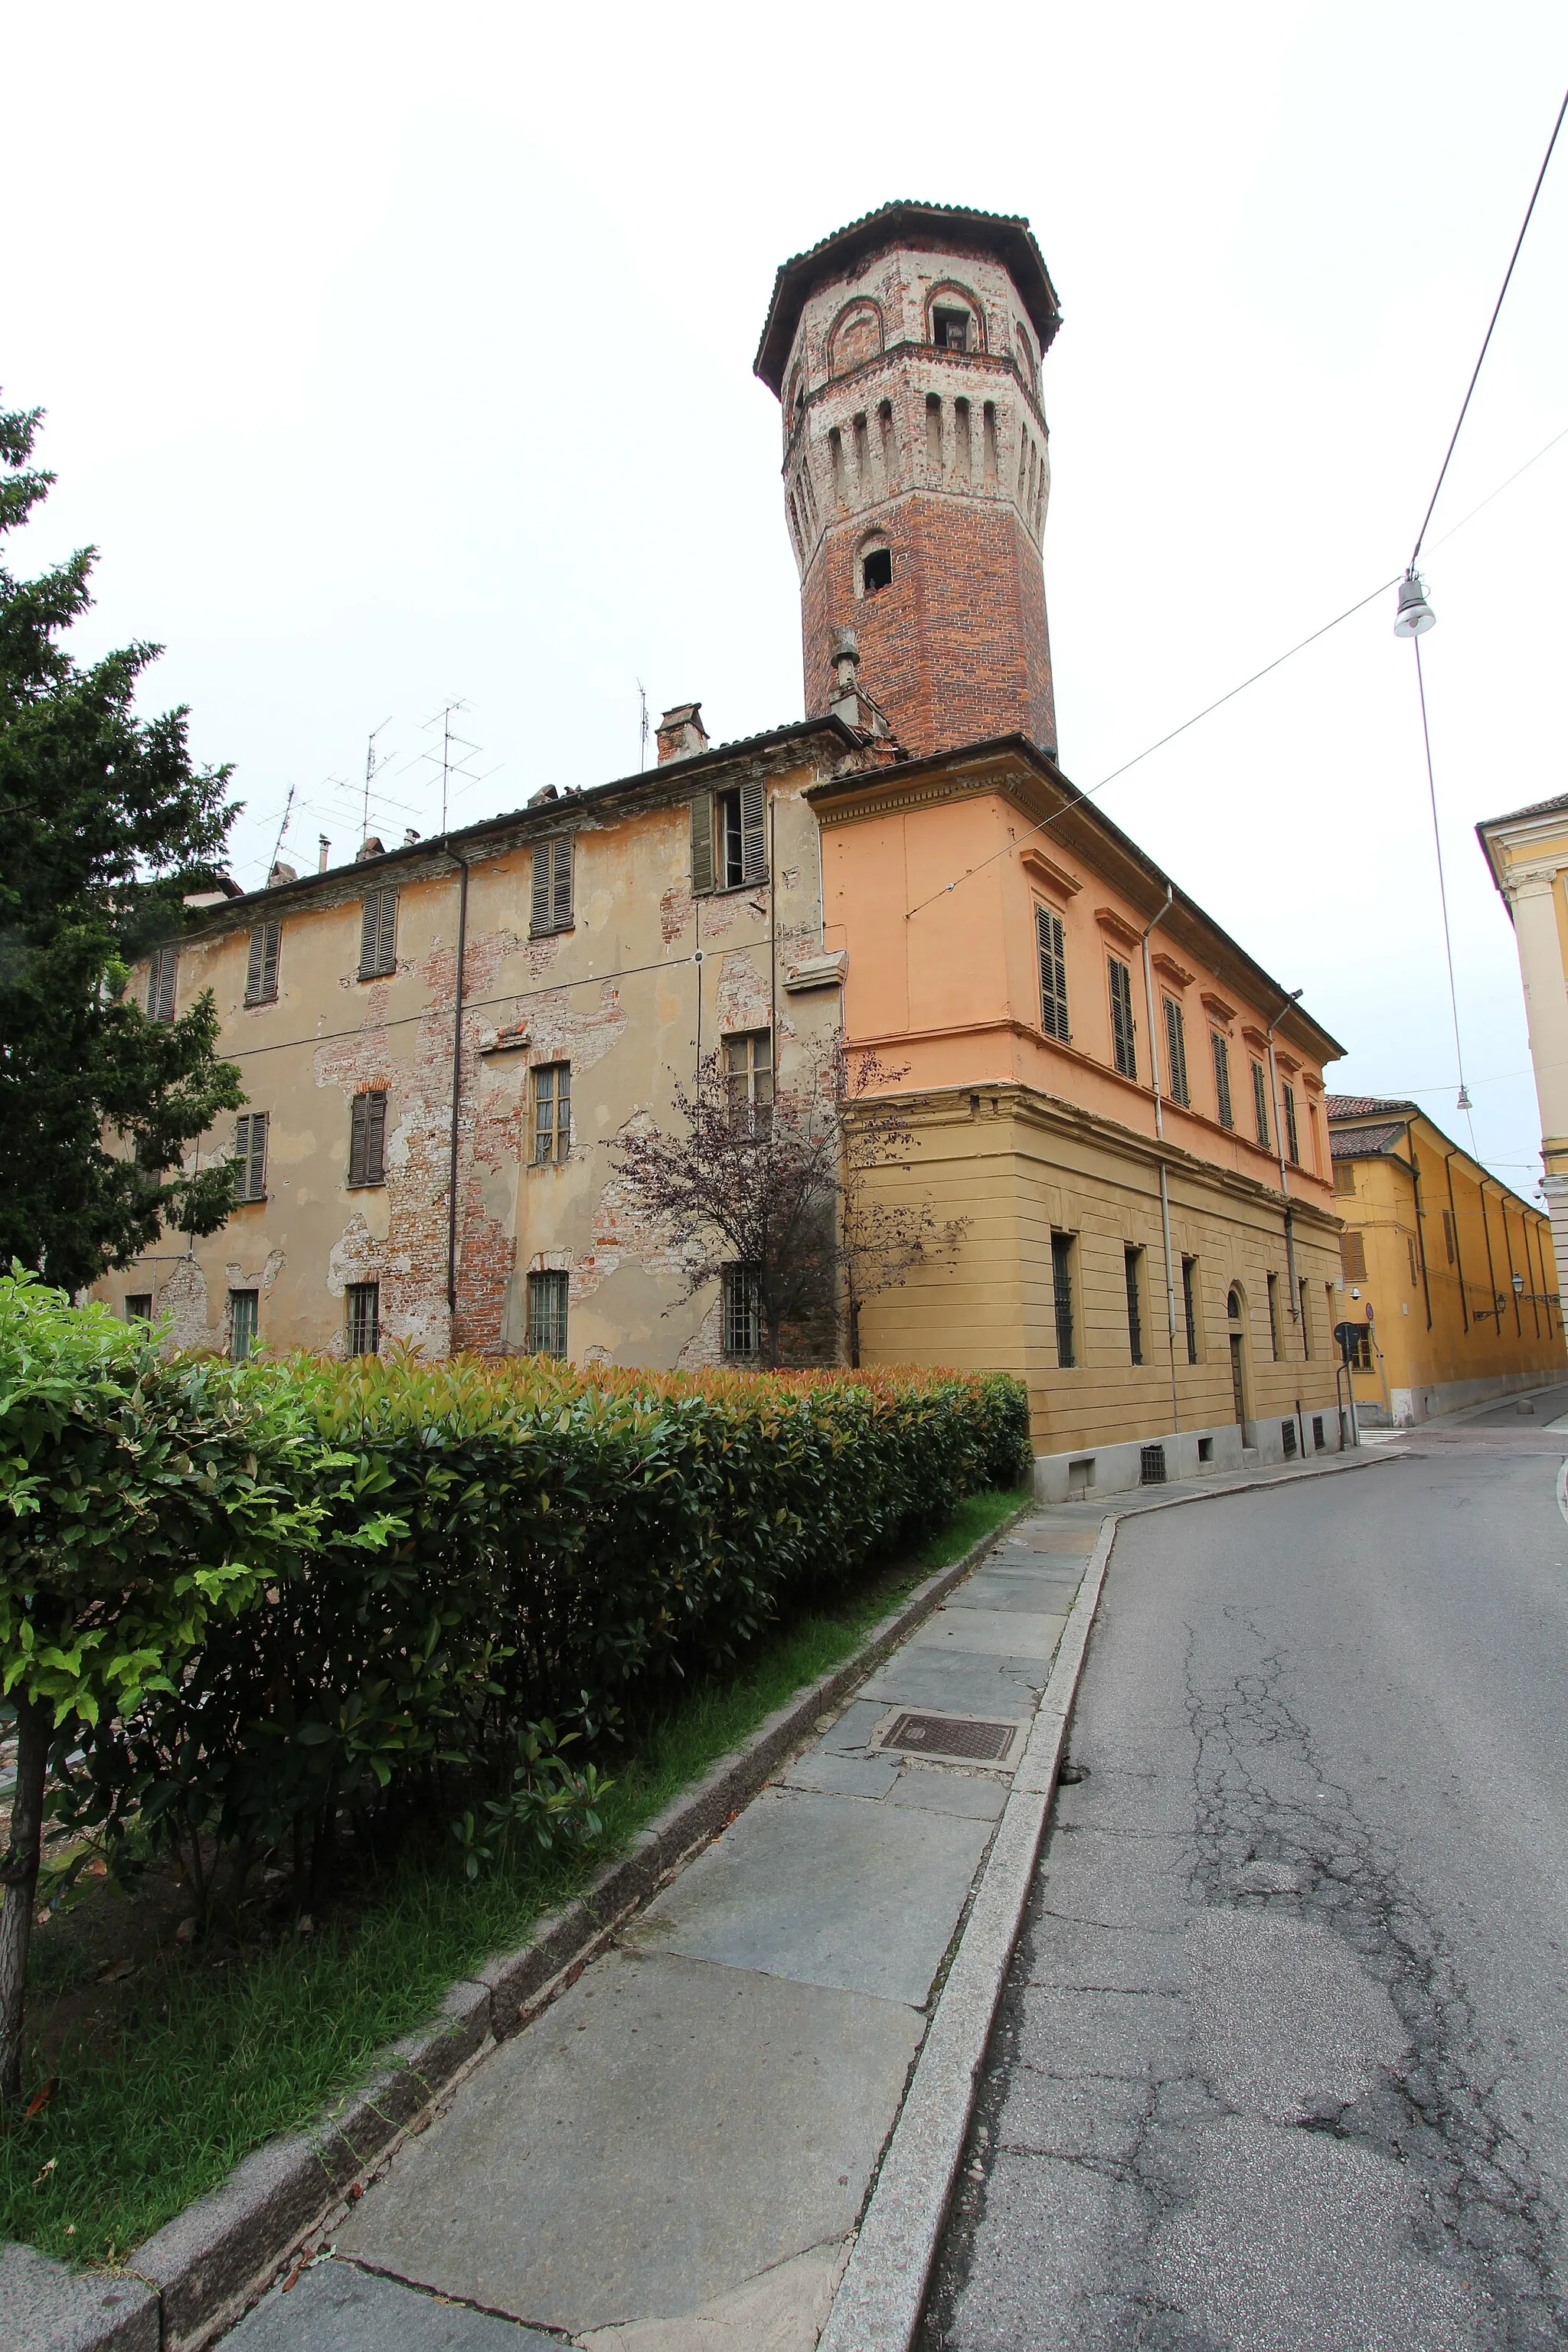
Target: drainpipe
456 1100
1420 1232
1293 998
1160 1137
1492 1266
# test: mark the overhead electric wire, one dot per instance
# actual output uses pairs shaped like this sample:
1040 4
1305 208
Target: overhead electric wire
1486 339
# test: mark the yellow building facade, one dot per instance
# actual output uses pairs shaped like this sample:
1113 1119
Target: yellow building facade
1448 1292
1528 855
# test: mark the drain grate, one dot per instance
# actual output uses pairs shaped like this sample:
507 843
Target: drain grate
951 1736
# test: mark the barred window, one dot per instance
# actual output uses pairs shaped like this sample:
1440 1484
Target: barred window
367 1140
742 1312
547 1313
749 1080
1052 943
1260 1103
250 1154
378 935
261 970
1291 1147
1306 1318
551 1112
1352 1256
160 983
1132 1259
552 887
1061 1288
1274 1316
363 1331
1222 1079
1123 1028
1190 1305
243 1317
1176 1051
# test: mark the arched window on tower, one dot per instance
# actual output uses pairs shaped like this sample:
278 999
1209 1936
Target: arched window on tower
954 319
873 566
1026 356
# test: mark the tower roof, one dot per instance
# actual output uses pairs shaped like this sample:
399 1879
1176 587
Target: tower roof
1006 235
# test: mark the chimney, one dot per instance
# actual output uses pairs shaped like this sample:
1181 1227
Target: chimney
681 734
323 854
282 872
545 793
410 836
845 655
371 846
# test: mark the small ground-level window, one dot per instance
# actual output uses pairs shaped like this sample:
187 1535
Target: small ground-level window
139 1306
547 1312
364 1317
742 1312
876 571
243 1317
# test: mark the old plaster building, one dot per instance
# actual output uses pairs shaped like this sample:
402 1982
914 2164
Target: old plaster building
1450 1291
1528 855
1120 1107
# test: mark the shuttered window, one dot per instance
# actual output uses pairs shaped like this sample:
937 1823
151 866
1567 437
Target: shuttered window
161 984
1176 1051
1260 1103
1449 1236
261 972
551 910
1345 1178
1052 942
1291 1145
367 1140
250 1155
1222 1079
729 838
1352 1256
1123 1028
378 935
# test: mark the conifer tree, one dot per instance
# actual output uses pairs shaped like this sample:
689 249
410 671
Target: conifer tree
104 827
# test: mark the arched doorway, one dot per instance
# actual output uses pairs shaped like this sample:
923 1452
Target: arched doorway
1236 1324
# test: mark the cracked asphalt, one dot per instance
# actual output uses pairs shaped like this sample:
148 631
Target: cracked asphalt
1282 2061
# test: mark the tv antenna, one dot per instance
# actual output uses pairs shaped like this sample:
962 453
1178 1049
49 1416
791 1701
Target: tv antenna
371 765
642 753
278 846
454 754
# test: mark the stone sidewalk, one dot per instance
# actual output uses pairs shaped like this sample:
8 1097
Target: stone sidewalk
674 2156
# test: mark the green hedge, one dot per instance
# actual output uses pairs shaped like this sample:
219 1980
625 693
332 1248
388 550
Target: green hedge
484 1554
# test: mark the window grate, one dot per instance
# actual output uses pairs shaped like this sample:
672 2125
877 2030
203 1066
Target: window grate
1152 1465
1318 1440
1288 1439
1190 1306
1061 1286
1132 1261
547 1299
364 1317
953 1738
742 1313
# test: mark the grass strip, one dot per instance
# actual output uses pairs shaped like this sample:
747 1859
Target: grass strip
194 2062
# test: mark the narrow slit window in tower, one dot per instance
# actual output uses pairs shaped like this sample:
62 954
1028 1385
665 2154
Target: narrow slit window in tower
933 432
862 458
963 453
836 454
988 421
889 443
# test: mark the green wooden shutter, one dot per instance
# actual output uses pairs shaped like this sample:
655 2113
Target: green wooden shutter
161 984
561 883
386 933
256 1171
703 844
539 909
1052 945
376 1139
253 969
753 832
272 939
370 924
356 1138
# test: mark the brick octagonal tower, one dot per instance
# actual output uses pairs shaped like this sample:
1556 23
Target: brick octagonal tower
905 351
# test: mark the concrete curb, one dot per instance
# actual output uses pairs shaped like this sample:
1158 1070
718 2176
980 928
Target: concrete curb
882 2293
203 2270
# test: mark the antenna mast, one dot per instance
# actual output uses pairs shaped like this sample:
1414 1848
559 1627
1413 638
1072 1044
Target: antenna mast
370 764
278 846
642 754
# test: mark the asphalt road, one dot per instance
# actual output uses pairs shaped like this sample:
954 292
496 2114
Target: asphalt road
1283 2057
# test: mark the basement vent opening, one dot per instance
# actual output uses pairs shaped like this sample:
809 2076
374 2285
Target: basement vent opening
1288 1439
1152 1465
952 1737
1316 1433
1205 1449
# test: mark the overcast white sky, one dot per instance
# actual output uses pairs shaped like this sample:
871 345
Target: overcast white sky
393 354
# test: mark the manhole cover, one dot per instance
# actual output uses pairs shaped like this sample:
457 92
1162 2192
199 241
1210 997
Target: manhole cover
955 1737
